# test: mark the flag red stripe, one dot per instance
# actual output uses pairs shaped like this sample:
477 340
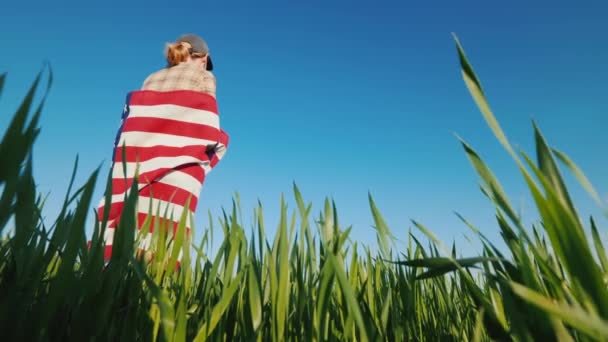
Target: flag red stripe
107 253
115 210
120 185
138 153
173 127
224 138
141 218
185 98
169 193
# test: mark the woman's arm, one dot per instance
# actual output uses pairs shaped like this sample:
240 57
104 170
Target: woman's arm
217 151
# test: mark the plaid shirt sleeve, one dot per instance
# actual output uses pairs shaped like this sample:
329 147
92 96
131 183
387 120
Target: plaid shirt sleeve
206 83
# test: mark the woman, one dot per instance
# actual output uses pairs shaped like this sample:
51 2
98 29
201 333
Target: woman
169 140
188 67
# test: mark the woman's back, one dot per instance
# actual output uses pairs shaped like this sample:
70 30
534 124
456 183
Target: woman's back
184 76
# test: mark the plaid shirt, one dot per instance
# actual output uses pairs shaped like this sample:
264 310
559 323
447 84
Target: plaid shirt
184 76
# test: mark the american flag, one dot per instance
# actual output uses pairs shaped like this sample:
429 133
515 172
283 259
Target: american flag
175 140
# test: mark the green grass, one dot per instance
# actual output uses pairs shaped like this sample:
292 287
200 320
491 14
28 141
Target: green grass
309 281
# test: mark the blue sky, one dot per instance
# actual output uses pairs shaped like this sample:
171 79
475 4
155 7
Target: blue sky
341 97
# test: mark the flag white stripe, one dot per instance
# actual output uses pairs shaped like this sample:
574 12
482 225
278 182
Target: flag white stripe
183 181
108 235
155 164
176 112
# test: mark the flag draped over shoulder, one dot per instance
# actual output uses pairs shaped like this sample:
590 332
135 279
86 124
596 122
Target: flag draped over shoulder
172 140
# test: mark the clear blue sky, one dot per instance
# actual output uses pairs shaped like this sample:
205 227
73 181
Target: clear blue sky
342 98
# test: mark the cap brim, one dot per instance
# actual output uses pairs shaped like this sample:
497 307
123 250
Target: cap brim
209 63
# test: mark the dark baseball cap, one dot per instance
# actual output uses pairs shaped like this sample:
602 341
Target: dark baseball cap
198 46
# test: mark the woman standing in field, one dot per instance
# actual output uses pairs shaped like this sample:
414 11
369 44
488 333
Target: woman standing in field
169 140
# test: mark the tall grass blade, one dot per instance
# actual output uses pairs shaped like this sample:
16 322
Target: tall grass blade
592 325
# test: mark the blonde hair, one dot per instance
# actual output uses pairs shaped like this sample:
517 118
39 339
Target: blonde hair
177 53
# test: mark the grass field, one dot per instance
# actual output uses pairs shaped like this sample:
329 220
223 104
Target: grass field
309 282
